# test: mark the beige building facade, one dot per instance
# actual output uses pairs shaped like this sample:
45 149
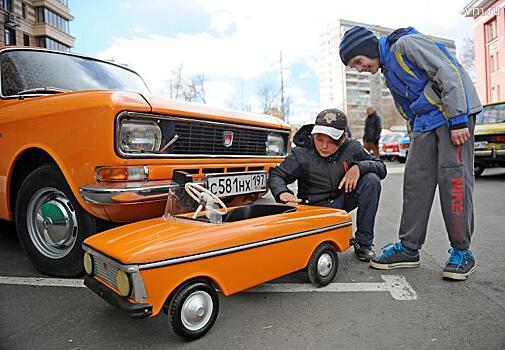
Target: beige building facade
39 23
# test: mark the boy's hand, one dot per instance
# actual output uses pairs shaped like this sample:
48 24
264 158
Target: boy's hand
460 136
287 197
350 180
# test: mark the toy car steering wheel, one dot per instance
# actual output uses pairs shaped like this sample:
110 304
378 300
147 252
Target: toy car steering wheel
202 196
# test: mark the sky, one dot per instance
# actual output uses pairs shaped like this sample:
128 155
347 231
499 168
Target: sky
235 44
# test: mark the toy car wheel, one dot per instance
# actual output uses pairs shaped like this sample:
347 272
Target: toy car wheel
193 310
51 224
323 265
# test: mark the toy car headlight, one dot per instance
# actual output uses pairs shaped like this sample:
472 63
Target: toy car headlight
275 145
136 136
123 283
88 263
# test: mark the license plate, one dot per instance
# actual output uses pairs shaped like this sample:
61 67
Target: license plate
480 145
224 185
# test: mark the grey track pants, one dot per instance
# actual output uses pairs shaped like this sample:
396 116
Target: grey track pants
434 160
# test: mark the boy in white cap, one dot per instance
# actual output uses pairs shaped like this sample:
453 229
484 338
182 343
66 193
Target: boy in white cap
332 171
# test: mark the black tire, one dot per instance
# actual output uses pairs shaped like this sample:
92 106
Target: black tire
402 159
180 322
322 259
478 170
45 189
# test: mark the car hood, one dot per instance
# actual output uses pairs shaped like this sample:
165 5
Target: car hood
492 128
194 110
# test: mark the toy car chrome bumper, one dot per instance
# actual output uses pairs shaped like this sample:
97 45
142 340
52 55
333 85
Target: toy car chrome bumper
490 153
131 309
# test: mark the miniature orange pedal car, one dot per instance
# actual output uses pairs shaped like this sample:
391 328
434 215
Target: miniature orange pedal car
176 263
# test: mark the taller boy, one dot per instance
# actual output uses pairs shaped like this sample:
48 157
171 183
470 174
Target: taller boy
436 96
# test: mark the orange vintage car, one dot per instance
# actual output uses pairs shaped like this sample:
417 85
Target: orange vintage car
176 263
84 145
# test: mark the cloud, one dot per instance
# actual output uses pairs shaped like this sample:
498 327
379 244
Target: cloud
244 38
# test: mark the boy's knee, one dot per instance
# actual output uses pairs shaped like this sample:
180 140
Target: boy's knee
370 181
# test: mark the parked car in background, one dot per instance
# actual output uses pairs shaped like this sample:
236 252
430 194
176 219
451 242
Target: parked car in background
390 147
84 144
403 146
490 137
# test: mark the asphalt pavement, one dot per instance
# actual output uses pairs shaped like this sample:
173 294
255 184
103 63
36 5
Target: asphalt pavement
436 314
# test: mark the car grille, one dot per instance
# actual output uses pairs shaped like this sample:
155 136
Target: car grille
197 137
105 269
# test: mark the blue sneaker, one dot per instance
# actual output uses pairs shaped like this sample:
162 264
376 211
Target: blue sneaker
460 265
395 256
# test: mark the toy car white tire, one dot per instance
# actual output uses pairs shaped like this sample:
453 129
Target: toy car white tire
323 265
193 309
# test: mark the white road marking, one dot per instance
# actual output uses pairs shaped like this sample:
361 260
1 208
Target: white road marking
395 170
42 282
397 285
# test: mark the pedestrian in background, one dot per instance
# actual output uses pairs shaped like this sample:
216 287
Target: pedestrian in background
435 94
373 128
332 171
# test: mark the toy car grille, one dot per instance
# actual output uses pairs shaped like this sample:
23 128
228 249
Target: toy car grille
197 137
105 270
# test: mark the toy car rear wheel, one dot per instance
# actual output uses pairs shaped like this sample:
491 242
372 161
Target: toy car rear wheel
323 265
478 170
51 224
193 309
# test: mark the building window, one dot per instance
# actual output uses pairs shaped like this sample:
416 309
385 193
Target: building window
491 63
26 40
23 10
44 15
9 36
7 5
48 43
491 30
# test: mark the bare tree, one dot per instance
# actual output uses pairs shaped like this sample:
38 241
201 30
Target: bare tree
268 96
187 89
467 57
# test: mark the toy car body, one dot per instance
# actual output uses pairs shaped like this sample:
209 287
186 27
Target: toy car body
84 144
176 262
403 146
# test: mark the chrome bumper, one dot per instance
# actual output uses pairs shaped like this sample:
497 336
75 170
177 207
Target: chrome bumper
126 193
491 153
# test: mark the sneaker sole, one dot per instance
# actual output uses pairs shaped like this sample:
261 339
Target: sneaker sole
399 265
458 276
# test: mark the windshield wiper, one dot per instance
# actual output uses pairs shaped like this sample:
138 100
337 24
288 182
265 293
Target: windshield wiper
42 90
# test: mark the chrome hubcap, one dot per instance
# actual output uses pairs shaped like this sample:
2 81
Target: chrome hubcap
197 310
52 223
324 264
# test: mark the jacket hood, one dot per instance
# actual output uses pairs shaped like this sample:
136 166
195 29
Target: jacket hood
386 42
302 137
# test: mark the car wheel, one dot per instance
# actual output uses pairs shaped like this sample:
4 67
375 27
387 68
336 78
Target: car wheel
193 309
478 170
51 224
402 159
323 265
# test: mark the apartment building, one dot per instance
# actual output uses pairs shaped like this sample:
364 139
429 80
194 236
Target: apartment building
489 44
40 23
350 90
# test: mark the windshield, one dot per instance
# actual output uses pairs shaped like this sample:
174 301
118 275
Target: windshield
492 114
24 70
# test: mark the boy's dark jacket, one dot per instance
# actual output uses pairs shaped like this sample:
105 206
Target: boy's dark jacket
318 177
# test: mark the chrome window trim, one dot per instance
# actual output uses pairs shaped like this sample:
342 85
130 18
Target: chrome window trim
238 248
141 116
